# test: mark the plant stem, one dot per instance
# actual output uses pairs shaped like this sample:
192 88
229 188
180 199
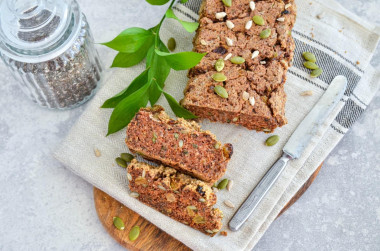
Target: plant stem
159 25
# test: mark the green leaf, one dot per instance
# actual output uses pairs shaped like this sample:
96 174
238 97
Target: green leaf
130 40
178 110
182 60
157 2
159 71
184 1
127 108
137 83
189 26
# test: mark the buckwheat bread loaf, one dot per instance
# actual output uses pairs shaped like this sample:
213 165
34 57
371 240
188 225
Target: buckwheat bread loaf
185 199
177 143
256 97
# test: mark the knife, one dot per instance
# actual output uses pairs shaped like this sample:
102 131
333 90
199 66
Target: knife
293 149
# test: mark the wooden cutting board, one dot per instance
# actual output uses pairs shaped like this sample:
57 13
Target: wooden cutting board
151 237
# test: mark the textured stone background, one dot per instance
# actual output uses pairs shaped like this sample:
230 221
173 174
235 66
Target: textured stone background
44 206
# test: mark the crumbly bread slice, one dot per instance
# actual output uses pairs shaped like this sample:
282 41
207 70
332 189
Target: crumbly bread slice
177 143
185 199
262 77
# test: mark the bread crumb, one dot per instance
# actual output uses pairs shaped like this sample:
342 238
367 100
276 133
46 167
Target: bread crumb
224 233
97 152
357 62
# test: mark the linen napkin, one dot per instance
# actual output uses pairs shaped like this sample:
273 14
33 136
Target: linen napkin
343 44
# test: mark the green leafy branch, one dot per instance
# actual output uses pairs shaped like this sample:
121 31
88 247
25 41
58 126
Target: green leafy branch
134 45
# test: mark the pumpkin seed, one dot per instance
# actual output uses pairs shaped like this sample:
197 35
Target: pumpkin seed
227 3
209 231
245 95
192 207
222 184
121 162
127 157
180 143
272 140
255 54
202 200
172 44
310 65
134 233
221 91
237 60
219 65
229 55
118 223
129 176
259 20
265 33
309 56
316 73
134 194
220 15
154 138
229 41
219 77
199 219
161 187
176 135
216 146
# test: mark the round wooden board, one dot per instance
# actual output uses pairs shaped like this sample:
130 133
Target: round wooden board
151 237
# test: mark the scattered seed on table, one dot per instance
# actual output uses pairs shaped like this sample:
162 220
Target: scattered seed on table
118 223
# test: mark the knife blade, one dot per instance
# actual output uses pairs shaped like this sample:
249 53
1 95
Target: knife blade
293 149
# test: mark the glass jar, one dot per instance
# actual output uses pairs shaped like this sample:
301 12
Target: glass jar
48 46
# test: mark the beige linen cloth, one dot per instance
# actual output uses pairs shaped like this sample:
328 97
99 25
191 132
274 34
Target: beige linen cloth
338 38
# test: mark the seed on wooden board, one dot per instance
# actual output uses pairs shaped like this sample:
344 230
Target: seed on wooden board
237 60
121 162
229 41
230 24
219 77
255 54
172 44
272 140
118 223
229 204
248 25
316 73
222 184
127 157
307 93
310 65
220 15
97 152
259 20
229 55
221 91
309 56
219 65
230 185
134 233
252 5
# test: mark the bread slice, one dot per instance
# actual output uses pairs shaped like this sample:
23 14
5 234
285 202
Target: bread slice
187 200
256 96
177 143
